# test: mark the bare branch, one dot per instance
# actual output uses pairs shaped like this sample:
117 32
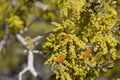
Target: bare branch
14 3
38 38
30 62
21 39
109 62
24 30
3 42
30 67
41 5
37 51
22 72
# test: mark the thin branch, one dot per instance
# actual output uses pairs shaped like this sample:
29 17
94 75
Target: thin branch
30 67
22 72
38 38
34 51
110 62
3 42
41 5
23 30
37 51
116 27
34 40
105 64
14 3
21 39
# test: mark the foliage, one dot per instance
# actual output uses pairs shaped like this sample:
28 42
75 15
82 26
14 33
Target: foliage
15 24
83 44
84 38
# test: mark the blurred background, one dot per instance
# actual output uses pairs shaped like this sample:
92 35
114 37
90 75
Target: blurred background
37 15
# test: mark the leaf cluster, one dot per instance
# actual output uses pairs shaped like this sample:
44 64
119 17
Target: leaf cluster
84 25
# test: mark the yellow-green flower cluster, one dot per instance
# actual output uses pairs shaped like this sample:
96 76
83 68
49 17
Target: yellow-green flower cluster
81 29
15 24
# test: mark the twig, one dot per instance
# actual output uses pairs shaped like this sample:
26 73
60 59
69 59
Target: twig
30 67
34 51
30 62
41 5
34 40
38 38
109 62
3 42
22 40
37 51
23 30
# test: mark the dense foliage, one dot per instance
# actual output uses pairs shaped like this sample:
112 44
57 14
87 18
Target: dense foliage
82 44
84 38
